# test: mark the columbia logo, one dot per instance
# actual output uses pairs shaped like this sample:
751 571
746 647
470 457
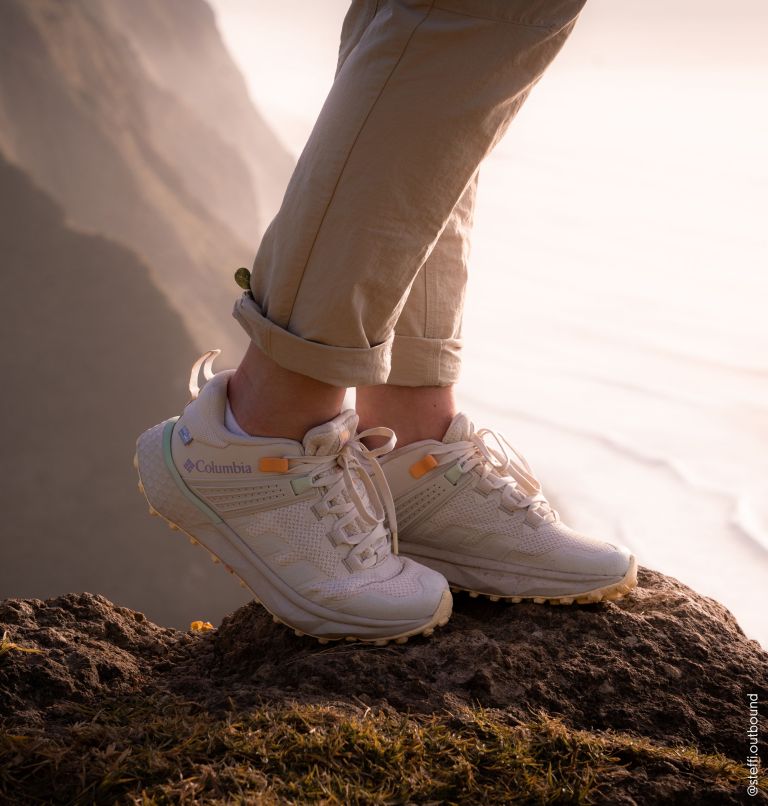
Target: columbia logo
203 466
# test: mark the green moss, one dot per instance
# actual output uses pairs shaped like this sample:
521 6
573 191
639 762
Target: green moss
161 750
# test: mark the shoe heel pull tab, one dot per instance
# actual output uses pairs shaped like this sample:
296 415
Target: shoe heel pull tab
205 362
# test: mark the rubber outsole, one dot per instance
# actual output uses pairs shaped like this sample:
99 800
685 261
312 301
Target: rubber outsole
610 593
440 617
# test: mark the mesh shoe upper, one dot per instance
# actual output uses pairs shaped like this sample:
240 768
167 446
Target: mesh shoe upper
473 500
308 509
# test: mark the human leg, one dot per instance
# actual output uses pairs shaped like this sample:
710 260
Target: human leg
295 402
417 103
323 304
417 402
269 400
415 412
369 304
467 504
301 523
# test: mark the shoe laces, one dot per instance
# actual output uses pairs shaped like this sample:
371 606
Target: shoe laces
355 490
501 467
351 480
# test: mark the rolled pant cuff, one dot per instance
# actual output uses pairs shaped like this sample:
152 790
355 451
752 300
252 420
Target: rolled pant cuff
418 361
337 366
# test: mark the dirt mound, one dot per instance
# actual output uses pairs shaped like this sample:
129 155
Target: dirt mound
84 647
665 664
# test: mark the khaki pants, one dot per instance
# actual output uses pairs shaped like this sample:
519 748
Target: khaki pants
360 278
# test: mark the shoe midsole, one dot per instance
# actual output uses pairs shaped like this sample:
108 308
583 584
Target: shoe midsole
511 580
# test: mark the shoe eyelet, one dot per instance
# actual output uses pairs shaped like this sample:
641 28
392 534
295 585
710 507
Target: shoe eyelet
352 567
481 489
316 510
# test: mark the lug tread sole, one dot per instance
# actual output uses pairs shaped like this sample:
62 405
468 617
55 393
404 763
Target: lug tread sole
608 593
440 618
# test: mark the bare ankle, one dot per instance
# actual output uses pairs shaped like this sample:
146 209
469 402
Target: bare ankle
271 401
412 412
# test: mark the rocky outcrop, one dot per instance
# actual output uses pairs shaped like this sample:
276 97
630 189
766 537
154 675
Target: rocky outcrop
179 45
144 177
92 355
115 134
665 664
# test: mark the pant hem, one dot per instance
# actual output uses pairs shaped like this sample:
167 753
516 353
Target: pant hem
418 361
337 366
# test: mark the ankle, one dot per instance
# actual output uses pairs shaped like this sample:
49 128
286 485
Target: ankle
271 401
412 412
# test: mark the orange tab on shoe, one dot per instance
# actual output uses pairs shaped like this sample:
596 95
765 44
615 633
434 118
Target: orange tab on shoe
423 466
273 464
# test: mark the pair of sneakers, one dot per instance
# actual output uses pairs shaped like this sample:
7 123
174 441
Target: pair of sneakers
311 527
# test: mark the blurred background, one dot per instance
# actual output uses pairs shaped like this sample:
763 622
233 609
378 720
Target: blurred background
615 323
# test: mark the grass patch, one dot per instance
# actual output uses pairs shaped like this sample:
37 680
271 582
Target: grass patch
162 750
6 645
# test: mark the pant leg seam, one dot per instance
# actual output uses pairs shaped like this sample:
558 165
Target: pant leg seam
351 149
434 377
516 23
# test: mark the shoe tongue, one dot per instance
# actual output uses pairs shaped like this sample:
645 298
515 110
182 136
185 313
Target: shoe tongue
329 438
459 429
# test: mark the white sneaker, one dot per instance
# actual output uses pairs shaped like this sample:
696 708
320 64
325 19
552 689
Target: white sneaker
474 511
300 523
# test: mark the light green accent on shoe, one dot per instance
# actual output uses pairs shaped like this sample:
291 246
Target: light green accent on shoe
301 485
168 456
453 475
